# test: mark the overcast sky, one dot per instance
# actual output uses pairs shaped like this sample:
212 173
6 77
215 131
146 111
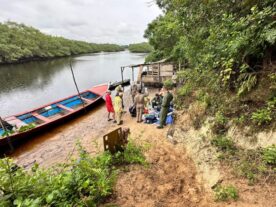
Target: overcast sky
100 21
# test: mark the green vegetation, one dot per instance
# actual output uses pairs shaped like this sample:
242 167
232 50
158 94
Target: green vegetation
143 47
269 155
224 144
21 129
22 43
83 182
168 84
254 165
226 193
227 51
26 128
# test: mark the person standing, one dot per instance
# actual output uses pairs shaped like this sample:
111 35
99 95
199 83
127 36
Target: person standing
119 89
139 102
168 97
133 90
118 107
109 106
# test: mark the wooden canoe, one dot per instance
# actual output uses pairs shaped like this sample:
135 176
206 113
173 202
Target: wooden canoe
48 115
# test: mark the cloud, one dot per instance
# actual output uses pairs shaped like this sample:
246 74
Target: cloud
114 21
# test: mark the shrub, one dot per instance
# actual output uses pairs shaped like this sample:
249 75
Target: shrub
86 181
225 193
219 125
262 116
223 143
132 155
184 90
168 84
254 165
269 155
204 97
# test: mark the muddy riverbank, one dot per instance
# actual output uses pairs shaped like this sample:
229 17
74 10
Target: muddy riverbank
59 143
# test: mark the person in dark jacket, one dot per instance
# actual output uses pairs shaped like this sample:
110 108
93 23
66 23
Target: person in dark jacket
157 101
168 97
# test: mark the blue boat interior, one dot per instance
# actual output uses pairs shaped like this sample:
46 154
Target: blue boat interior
1 131
73 102
52 111
29 119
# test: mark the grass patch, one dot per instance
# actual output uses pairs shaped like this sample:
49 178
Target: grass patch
87 181
254 165
223 144
226 193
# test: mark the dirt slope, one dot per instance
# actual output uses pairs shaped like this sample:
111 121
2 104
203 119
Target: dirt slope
170 180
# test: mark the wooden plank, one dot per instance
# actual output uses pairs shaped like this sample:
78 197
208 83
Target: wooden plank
38 116
15 121
169 74
86 100
65 108
113 141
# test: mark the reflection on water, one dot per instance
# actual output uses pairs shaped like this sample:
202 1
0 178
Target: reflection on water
29 85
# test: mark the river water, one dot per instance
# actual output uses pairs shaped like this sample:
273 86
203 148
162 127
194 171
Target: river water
30 85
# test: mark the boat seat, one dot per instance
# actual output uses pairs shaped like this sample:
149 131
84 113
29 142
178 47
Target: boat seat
65 108
86 100
15 121
40 117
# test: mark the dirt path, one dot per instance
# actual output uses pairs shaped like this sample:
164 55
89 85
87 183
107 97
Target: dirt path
170 180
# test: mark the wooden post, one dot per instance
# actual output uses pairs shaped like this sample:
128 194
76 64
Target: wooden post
122 74
159 67
132 73
141 81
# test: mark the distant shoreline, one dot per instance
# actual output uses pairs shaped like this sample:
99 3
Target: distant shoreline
38 59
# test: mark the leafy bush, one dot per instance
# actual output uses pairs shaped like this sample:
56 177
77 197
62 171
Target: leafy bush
240 120
203 97
262 116
269 155
184 90
86 181
219 124
168 84
223 143
225 193
254 165
248 169
131 155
